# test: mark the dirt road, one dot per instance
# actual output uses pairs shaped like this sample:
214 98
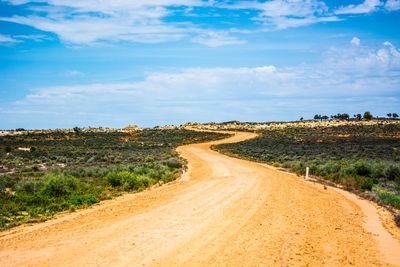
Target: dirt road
229 212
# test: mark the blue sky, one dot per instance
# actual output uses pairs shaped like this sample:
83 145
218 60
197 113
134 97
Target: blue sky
66 63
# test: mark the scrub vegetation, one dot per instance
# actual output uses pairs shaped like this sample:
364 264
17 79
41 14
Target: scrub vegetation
364 157
45 173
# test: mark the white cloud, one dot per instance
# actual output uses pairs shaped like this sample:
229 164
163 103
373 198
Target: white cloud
111 6
282 14
340 65
347 78
88 22
367 6
73 73
98 21
280 23
34 37
355 41
4 39
296 8
216 38
392 5
87 29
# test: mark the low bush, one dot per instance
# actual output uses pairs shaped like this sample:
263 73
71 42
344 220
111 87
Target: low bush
361 168
173 164
4 181
378 168
29 186
390 199
130 181
58 185
114 179
146 181
367 184
392 172
167 177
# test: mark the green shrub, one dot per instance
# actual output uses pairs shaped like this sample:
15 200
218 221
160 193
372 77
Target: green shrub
286 164
127 180
4 181
390 199
130 181
298 167
392 172
329 167
367 184
143 169
378 169
174 164
313 168
146 181
29 186
57 185
71 183
152 173
335 177
114 179
276 164
362 168
367 115
149 158
79 172
167 177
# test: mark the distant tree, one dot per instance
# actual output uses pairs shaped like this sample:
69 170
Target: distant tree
320 117
395 115
389 115
20 129
367 115
301 119
341 116
77 129
358 116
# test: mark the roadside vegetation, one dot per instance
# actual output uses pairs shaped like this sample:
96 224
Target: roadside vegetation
43 174
363 157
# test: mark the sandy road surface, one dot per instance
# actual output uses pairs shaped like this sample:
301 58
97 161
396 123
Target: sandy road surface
230 212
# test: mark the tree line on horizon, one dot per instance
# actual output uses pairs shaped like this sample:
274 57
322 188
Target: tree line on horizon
345 116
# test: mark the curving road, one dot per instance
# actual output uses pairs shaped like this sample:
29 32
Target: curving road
229 212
